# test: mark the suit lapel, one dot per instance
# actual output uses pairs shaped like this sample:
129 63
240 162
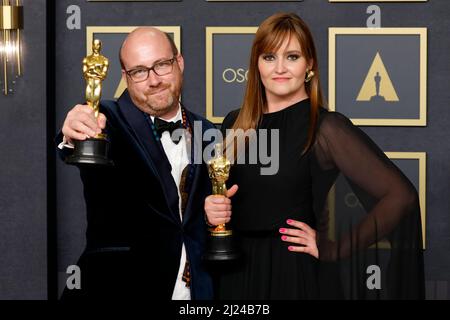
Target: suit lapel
154 151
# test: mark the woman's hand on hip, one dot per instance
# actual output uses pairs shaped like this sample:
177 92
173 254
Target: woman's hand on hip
302 235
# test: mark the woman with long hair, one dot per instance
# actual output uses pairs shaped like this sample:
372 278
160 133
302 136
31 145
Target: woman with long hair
295 242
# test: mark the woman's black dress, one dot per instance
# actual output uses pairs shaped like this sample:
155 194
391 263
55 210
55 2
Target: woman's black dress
384 233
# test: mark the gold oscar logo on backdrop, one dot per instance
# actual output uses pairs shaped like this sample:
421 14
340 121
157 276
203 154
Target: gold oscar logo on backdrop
381 86
231 75
378 85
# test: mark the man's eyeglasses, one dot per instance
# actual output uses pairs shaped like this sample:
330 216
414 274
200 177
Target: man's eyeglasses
160 69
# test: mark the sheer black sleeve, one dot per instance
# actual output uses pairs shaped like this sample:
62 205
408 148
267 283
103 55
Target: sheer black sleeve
368 217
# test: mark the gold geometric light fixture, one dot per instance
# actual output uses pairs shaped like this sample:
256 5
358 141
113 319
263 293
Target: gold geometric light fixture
11 24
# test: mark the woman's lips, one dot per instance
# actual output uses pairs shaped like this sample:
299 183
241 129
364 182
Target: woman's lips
280 79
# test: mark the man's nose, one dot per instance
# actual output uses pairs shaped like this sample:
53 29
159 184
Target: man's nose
153 79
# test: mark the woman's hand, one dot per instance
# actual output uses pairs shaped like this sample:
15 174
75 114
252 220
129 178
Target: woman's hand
218 208
301 234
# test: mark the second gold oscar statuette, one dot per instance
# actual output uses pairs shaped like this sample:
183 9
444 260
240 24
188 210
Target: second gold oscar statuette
221 245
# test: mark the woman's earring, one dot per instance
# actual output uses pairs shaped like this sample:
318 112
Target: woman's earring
309 75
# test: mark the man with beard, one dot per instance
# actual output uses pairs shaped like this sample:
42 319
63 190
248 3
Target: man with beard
146 227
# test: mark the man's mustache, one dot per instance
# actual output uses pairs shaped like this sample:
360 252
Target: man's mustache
157 89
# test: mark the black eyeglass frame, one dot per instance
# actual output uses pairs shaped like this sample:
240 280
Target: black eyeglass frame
152 68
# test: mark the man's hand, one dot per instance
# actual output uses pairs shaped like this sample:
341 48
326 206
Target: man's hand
218 208
81 123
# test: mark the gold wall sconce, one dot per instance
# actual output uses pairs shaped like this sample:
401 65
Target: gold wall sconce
11 24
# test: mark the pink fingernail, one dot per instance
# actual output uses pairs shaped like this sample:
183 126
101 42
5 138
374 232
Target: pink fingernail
290 248
289 221
283 238
282 230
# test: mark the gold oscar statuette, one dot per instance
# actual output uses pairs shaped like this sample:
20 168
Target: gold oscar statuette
221 245
93 151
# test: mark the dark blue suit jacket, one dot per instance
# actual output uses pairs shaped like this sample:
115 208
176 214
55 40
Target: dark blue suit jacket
134 233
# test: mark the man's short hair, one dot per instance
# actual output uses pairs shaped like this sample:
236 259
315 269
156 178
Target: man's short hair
169 38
